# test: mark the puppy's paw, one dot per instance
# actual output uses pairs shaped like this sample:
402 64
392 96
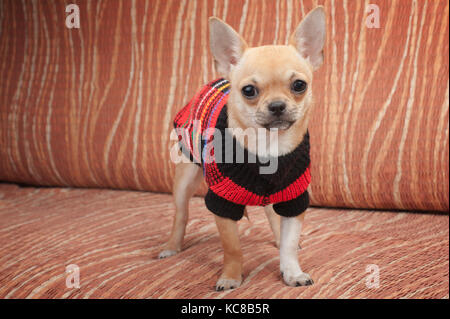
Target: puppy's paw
295 280
167 253
225 284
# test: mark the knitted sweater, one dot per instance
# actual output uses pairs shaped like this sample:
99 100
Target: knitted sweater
232 186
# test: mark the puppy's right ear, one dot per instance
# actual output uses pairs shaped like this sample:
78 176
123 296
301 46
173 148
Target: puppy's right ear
227 46
309 37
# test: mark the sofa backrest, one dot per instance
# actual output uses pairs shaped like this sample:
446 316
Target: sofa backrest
93 106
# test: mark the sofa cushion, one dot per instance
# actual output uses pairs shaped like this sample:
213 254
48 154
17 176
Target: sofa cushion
93 107
114 238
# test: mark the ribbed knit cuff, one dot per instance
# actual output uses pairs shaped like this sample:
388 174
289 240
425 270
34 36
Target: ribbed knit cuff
222 207
293 207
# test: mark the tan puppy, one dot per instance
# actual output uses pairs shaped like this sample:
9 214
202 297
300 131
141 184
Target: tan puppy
273 76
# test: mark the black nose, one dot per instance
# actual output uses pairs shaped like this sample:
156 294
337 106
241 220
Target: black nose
277 108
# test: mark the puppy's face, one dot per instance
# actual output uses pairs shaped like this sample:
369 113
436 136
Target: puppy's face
270 85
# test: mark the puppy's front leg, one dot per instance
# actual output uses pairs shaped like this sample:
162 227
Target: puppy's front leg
289 266
232 269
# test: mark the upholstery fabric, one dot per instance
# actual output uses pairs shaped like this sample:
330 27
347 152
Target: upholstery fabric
114 239
93 107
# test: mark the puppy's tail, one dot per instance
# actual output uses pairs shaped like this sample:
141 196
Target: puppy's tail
246 214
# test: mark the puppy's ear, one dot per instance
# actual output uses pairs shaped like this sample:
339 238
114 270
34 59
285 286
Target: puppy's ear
227 46
309 37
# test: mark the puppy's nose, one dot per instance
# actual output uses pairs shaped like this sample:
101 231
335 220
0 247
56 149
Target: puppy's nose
277 108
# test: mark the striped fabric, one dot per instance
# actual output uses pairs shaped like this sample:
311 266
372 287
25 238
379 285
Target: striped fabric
194 121
114 239
93 107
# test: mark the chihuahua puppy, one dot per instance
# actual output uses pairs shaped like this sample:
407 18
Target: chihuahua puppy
267 88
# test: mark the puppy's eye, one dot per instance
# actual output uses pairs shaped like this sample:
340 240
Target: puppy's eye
249 91
298 86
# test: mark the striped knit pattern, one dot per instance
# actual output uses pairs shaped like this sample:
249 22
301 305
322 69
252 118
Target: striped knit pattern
200 114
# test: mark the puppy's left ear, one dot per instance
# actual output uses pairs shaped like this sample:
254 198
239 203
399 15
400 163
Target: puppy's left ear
309 37
227 46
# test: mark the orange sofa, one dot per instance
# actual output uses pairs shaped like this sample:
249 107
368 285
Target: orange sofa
85 121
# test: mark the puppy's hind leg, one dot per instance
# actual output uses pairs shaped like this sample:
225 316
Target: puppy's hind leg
274 221
187 178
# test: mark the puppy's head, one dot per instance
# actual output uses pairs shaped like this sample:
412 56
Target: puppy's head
270 85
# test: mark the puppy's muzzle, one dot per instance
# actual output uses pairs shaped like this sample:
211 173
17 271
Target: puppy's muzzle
277 108
278 116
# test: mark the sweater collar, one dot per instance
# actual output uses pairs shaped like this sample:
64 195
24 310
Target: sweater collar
292 163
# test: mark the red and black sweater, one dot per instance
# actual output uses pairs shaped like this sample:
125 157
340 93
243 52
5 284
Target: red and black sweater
236 184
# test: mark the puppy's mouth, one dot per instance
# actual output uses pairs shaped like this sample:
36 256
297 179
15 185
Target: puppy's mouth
279 124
